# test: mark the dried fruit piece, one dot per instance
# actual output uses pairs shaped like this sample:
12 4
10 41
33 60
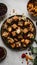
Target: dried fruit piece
9 29
23 55
30 5
14 26
18 44
13 45
30 35
20 23
27 41
10 40
15 18
24 45
5 26
13 33
22 40
18 31
9 20
16 39
25 30
5 34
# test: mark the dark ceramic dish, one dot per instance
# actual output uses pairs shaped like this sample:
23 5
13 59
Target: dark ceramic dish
3 53
19 48
32 8
3 10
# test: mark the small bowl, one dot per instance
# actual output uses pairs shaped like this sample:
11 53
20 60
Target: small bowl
31 8
2 49
3 10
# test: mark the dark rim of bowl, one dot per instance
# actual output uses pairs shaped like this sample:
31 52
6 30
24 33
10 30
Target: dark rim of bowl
5 51
5 8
